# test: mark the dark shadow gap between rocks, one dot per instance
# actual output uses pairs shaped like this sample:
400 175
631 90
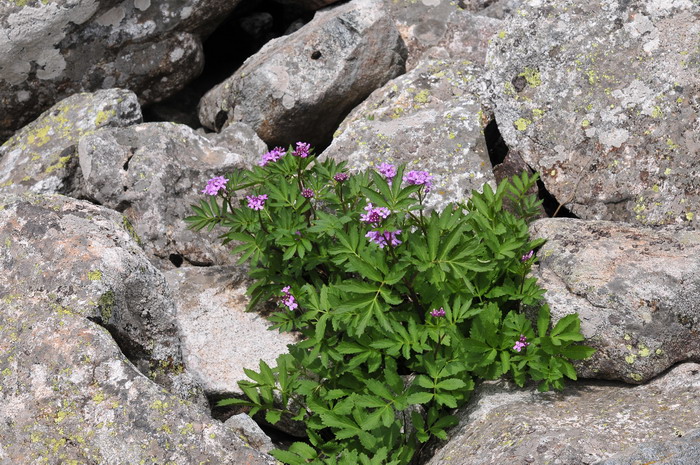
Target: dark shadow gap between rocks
496 146
550 204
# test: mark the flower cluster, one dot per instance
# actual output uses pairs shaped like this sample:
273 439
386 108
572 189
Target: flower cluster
214 185
419 178
272 156
374 215
307 193
438 312
382 238
341 177
256 202
527 256
521 344
387 170
302 149
288 299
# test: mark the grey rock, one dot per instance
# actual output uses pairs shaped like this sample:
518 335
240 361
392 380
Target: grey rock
311 5
636 289
240 138
70 396
153 173
50 50
683 451
599 97
300 86
219 338
42 157
501 9
442 29
250 432
584 424
430 120
74 258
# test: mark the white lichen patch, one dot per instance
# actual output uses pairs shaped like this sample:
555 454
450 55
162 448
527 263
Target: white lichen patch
112 17
614 138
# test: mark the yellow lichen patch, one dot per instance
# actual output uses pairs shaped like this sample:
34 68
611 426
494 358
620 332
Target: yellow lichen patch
521 124
502 35
537 113
689 216
103 116
631 358
636 376
644 351
532 76
421 97
672 145
95 275
40 137
667 171
656 112
59 165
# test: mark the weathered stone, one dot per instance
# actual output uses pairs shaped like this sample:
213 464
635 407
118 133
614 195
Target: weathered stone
42 157
683 451
219 338
501 9
636 289
241 138
583 424
300 86
50 50
79 259
68 395
311 5
442 29
250 432
428 119
153 173
600 98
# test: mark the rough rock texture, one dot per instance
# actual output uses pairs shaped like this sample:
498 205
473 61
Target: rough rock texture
68 395
76 258
153 173
42 157
300 86
219 338
683 451
600 97
428 119
583 424
250 432
312 5
49 50
242 139
442 29
636 289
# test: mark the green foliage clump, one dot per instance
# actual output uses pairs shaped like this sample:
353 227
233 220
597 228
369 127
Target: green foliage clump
400 309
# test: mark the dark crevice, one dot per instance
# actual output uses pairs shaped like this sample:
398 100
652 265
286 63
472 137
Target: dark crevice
176 259
550 203
495 144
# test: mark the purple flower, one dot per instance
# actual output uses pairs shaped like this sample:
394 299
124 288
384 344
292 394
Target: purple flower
272 156
387 170
340 177
214 185
374 215
521 344
527 256
419 178
286 289
288 299
302 150
256 202
438 312
382 238
307 193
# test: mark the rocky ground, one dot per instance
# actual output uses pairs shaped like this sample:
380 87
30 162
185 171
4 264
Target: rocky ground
119 326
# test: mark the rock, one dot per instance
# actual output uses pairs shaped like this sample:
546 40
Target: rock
251 432
242 139
77 259
153 173
219 338
442 29
428 119
501 9
600 98
311 5
50 50
68 395
636 289
42 156
299 87
581 425
684 451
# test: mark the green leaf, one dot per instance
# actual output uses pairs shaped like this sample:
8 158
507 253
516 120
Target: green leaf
568 324
420 397
577 352
543 321
273 416
451 384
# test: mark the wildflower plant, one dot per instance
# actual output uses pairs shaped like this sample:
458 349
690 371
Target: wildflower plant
398 307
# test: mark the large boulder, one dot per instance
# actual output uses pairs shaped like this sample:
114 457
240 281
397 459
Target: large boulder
153 173
585 423
74 258
50 50
429 119
68 395
299 87
636 289
601 99
219 339
43 156
684 450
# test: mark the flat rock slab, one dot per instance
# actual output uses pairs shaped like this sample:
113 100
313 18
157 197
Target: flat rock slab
153 173
636 289
219 338
68 395
600 98
679 451
299 87
428 119
43 156
582 425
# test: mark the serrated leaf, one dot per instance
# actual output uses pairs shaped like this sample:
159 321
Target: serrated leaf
451 384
